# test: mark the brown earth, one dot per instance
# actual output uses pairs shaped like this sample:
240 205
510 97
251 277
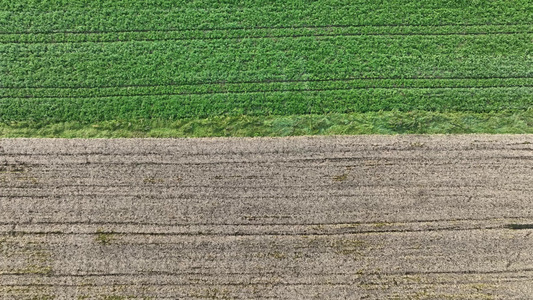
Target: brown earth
370 217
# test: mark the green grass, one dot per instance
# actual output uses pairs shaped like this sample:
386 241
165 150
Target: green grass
75 67
389 122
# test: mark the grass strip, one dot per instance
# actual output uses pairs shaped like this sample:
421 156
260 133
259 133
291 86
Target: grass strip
382 122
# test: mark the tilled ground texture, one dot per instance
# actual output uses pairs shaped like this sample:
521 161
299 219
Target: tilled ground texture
371 217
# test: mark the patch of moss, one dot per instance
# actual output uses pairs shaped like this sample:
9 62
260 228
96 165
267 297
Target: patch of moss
348 246
341 177
104 237
153 180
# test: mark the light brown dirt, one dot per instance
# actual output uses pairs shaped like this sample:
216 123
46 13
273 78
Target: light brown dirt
369 217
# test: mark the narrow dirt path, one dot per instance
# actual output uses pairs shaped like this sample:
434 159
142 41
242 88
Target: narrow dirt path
368 217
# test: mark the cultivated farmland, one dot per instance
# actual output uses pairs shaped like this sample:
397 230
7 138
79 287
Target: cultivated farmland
402 217
165 61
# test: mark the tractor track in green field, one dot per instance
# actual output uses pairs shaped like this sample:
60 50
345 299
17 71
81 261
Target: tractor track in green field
266 27
272 37
270 91
77 37
267 81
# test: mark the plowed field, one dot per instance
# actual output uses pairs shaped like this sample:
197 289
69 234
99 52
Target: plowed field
402 217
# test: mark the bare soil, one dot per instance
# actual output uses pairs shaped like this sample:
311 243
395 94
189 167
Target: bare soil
366 217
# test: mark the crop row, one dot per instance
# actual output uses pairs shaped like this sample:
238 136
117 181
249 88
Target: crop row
175 35
184 62
268 87
278 103
50 16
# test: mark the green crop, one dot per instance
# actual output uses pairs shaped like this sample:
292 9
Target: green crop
97 61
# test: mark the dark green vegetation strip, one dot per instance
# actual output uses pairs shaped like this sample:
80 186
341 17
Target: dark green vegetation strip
168 61
520 226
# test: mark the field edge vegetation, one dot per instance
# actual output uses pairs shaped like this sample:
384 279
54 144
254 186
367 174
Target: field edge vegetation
382 122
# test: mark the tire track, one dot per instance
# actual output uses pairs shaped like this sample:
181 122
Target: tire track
272 91
272 81
264 27
294 36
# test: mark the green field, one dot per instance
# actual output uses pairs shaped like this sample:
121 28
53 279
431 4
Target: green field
153 68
